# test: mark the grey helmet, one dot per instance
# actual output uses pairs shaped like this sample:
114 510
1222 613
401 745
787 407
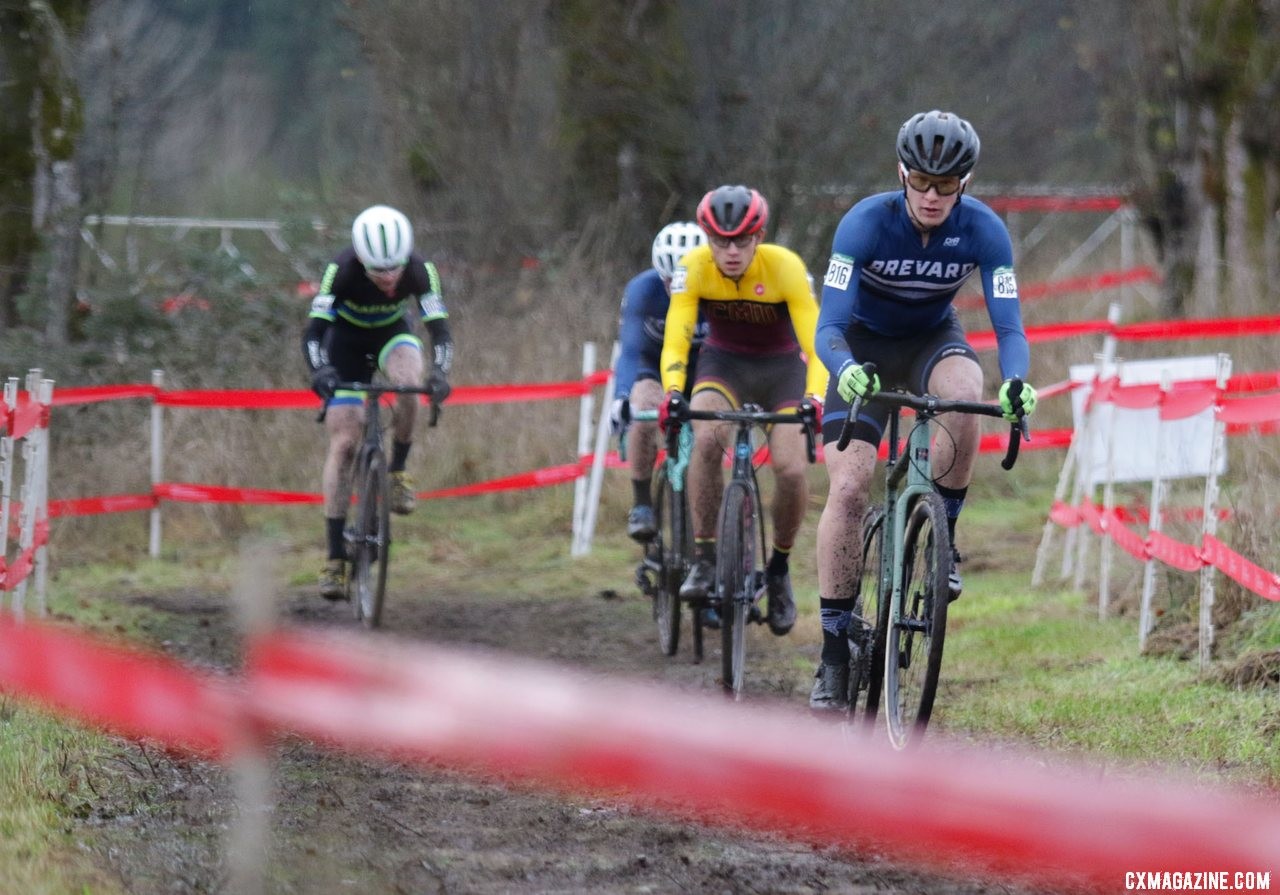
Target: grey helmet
938 143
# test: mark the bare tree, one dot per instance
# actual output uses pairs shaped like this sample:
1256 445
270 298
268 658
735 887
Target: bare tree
19 54
1189 88
469 101
58 121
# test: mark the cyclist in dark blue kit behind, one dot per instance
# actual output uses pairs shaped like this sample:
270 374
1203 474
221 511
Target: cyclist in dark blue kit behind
897 261
360 323
637 380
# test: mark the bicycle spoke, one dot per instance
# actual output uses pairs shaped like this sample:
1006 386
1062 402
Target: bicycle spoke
735 579
915 638
669 550
374 542
867 628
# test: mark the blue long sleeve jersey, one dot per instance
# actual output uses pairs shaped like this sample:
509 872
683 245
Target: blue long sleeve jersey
642 322
881 276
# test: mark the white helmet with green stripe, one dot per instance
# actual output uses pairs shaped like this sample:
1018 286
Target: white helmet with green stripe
382 237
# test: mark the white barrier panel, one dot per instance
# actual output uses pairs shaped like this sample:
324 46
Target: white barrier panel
1120 447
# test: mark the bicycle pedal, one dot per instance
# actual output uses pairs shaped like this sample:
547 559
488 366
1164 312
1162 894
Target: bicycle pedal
644 580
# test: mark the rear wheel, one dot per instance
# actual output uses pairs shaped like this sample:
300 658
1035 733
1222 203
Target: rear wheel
867 627
735 580
913 654
671 550
372 543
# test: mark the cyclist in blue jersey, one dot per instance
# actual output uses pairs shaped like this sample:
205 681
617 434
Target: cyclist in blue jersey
637 380
897 261
359 323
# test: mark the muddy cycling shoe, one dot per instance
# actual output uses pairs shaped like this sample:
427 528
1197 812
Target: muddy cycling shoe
700 582
830 691
642 525
955 584
333 580
782 605
403 496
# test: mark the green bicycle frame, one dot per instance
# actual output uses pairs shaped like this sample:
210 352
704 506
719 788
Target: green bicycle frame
915 466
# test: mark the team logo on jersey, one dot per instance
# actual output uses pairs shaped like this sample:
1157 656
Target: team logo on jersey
839 272
759 288
1003 283
679 278
322 303
951 241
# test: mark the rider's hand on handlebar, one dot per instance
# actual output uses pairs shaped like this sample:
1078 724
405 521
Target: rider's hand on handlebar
438 385
1016 405
672 409
811 407
853 382
620 414
324 382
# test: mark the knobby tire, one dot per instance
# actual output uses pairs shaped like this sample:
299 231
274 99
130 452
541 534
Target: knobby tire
670 549
868 625
735 577
373 542
913 655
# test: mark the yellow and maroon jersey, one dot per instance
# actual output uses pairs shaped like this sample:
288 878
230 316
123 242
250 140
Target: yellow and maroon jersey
769 310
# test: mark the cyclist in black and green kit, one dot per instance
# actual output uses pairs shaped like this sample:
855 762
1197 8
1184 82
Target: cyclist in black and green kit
359 323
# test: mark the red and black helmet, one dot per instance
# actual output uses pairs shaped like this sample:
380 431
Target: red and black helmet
731 211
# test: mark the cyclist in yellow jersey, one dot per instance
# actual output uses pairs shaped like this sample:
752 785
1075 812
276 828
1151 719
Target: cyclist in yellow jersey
761 314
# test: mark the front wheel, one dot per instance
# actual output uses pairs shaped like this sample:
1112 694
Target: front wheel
867 627
372 542
918 624
735 581
670 549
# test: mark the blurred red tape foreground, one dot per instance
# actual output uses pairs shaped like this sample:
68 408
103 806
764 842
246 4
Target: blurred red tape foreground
753 766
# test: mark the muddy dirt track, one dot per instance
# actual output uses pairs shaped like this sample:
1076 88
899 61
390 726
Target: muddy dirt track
157 823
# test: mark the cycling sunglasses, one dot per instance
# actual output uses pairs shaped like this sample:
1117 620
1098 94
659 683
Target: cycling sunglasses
742 242
922 183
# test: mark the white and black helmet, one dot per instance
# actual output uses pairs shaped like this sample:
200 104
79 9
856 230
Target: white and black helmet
382 238
672 243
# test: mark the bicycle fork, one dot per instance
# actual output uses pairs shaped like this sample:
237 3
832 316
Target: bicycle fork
744 471
913 466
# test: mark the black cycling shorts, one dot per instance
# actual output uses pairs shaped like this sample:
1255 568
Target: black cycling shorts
775 382
357 353
900 363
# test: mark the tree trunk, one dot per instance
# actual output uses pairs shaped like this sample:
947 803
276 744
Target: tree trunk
1271 226
56 125
63 234
17 162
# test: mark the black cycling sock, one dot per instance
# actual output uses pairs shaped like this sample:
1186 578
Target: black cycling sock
835 615
399 454
954 499
778 563
704 549
333 534
640 490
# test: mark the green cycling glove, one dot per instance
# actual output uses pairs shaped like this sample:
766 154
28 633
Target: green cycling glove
1014 407
854 382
